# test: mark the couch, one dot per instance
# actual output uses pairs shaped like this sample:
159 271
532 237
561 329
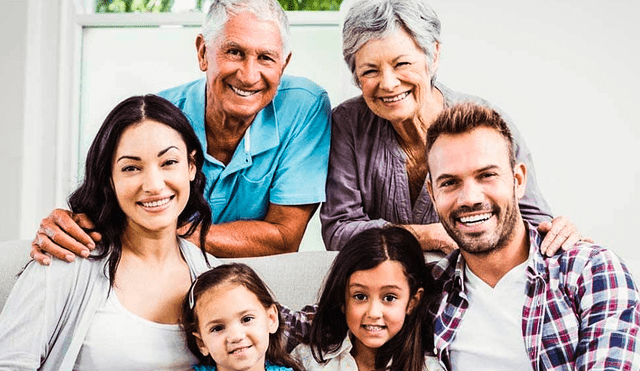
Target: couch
294 278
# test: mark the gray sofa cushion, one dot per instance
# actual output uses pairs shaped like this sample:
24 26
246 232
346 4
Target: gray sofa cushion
295 278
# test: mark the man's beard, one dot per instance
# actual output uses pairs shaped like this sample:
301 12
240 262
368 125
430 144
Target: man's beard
485 242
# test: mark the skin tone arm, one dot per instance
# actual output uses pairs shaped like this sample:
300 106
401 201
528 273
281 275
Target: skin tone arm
280 232
62 234
560 233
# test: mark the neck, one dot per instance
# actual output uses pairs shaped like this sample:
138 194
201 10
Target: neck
224 132
365 357
413 132
493 266
154 248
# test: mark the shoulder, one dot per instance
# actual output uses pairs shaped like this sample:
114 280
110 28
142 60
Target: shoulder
354 115
295 90
452 97
195 258
353 107
271 367
590 264
304 355
62 272
431 363
179 94
204 368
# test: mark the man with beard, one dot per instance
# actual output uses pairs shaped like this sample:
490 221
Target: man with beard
505 306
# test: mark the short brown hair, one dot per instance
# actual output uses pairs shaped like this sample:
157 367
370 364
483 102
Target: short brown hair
465 117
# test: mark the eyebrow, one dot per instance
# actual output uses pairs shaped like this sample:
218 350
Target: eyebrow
136 158
383 287
481 170
374 65
232 44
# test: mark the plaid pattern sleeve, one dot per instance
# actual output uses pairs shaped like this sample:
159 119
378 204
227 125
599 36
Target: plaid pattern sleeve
582 311
297 325
608 308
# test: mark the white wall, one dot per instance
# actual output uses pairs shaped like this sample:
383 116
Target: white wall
564 71
567 73
13 17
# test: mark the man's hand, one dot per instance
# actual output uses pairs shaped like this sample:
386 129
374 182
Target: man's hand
560 232
62 234
432 237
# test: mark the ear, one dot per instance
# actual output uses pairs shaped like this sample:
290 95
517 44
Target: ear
286 62
272 318
430 191
201 47
520 179
192 165
414 300
203 349
436 58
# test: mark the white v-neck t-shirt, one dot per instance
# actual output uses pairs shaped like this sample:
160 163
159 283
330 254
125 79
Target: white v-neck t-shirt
120 340
490 334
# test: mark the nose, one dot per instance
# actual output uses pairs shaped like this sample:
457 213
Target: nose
388 80
235 334
470 194
153 181
249 72
375 309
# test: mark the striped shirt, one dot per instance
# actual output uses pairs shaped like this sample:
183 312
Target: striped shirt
581 311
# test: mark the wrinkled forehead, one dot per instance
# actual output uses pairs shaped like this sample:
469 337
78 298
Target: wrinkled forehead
464 153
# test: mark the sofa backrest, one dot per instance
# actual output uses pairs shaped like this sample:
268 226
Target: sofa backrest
295 278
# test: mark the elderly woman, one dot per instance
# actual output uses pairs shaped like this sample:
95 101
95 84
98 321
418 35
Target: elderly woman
377 165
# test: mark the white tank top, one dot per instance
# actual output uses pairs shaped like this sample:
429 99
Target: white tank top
120 340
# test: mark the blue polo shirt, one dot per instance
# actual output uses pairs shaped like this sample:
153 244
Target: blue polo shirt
282 158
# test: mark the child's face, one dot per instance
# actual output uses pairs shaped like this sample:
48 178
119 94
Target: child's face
234 327
377 301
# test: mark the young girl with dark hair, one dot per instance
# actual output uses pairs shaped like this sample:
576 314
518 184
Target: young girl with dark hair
372 313
232 322
120 308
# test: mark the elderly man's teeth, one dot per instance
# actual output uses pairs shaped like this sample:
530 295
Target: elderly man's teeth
396 98
243 93
156 203
476 219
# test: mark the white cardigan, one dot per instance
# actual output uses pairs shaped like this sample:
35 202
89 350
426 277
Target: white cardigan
47 315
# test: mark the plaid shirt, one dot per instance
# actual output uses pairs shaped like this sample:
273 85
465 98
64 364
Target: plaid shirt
297 325
581 312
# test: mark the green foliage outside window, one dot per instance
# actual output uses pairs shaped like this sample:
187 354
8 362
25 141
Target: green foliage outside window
162 6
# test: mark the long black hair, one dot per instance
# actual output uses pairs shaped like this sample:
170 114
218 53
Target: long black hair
96 196
240 274
365 251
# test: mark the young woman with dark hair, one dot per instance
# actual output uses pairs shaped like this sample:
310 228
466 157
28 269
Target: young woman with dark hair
120 308
372 310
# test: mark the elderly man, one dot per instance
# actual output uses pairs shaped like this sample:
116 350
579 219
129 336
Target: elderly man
265 135
505 306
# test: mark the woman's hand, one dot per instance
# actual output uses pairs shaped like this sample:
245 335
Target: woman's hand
62 234
560 232
432 237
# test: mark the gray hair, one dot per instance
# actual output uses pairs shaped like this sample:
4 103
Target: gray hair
267 10
375 19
